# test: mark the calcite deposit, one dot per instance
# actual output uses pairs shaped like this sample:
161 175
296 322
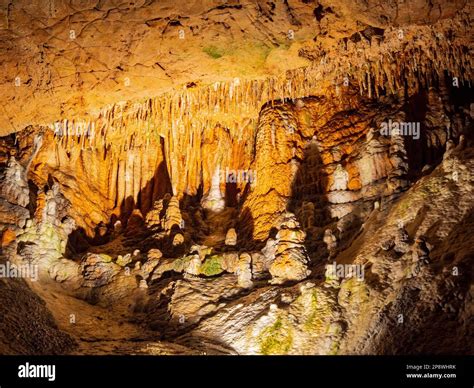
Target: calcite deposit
238 177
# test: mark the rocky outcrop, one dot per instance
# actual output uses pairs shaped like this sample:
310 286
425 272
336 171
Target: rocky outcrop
244 271
231 237
291 260
172 217
14 188
153 217
14 197
98 270
43 244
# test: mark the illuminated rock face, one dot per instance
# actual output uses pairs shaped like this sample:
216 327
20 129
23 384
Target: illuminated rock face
224 186
291 155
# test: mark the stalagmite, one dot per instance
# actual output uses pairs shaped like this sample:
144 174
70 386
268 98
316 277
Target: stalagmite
214 200
231 237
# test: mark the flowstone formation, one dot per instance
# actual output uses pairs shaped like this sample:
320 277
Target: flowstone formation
301 185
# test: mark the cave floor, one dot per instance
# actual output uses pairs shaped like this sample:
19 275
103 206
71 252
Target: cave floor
100 330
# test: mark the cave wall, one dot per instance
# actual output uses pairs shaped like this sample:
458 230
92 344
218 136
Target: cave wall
317 156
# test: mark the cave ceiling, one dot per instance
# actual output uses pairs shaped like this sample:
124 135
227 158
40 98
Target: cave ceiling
70 59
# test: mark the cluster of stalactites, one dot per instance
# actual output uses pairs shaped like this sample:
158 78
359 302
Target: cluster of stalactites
230 104
414 57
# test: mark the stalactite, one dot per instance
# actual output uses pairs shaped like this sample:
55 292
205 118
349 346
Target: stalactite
120 181
181 117
137 177
113 180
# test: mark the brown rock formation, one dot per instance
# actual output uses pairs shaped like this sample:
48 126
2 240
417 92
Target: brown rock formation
251 177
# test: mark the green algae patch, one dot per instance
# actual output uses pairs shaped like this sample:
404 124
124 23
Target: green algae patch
214 51
105 258
316 311
212 266
181 263
276 338
356 292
